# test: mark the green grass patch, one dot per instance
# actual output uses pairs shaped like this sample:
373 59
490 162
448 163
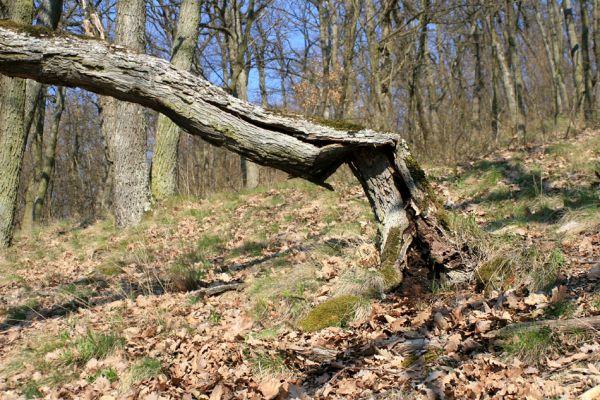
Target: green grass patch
285 298
560 149
20 313
210 243
250 248
595 301
269 364
545 268
267 333
77 292
276 200
31 390
110 268
529 345
199 214
144 369
214 317
83 348
108 373
561 309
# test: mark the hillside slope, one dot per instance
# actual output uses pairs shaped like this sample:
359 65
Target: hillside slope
87 311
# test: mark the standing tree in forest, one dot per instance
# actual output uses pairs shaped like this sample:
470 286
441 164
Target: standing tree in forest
43 148
13 135
164 160
575 52
125 128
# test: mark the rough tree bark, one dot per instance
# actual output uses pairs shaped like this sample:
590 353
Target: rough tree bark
164 161
124 125
12 129
411 223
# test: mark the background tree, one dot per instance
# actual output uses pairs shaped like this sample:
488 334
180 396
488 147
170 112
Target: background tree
43 148
164 161
428 70
125 124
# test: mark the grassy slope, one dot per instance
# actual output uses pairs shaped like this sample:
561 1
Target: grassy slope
88 310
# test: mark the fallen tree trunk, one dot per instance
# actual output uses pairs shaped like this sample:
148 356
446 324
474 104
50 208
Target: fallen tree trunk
411 223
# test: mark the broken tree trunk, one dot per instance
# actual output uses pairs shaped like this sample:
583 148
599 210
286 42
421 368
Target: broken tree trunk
411 223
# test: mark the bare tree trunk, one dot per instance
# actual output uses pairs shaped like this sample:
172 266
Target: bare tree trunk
586 63
12 131
575 52
506 79
326 47
596 46
35 123
558 107
479 85
428 64
411 222
260 48
380 63
495 101
35 107
557 42
514 65
164 160
239 25
127 136
349 39
283 69
47 167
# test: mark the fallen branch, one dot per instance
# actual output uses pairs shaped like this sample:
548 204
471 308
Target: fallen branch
562 325
412 225
215 290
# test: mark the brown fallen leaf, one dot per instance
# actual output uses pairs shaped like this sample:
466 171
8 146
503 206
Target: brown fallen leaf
270 388
483 326
440 321
453 343
217 392
241 325
536 299
421 318
559 293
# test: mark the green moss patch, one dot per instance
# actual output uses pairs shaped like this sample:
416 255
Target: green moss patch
337 311
391 275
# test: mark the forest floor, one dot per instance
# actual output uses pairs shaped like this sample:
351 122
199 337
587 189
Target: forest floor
90 312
